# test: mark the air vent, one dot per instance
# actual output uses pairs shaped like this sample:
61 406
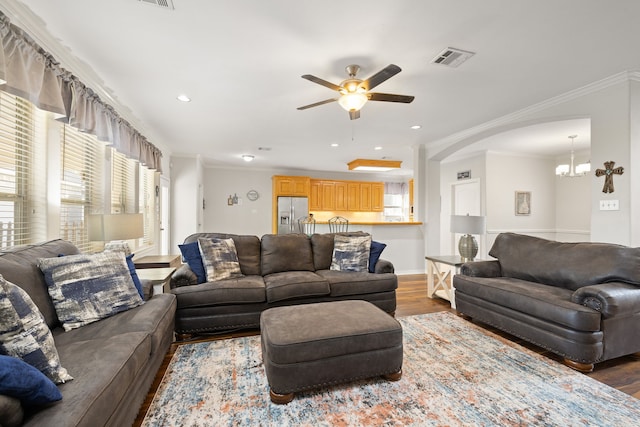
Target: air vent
452 57
166 4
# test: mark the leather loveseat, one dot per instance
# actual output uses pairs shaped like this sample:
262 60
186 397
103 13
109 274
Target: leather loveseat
277 270
113 361
578 300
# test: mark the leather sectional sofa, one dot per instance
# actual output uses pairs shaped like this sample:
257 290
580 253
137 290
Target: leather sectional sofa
578 300
277 270
113 361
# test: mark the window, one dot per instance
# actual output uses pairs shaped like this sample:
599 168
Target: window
22 172
147 202
82 164
123 183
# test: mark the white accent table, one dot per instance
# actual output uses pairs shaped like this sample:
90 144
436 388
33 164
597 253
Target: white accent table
159 278
440 272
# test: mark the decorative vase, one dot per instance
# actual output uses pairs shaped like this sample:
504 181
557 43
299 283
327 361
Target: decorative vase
468 247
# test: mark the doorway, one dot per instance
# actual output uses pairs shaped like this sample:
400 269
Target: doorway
164 215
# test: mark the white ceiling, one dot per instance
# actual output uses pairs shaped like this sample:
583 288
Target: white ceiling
241 60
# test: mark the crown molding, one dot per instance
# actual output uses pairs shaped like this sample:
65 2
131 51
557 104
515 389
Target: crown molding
517 116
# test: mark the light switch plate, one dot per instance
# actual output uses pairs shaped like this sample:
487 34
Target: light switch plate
609 205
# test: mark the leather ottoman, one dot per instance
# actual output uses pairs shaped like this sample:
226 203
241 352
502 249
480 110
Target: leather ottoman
313 345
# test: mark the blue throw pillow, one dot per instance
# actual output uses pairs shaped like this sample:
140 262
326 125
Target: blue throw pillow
191 254
134 275
374 254
24 382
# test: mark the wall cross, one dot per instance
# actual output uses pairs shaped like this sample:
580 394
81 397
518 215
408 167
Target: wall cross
608 173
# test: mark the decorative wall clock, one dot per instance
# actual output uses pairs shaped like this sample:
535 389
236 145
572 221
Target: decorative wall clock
253 195
608 173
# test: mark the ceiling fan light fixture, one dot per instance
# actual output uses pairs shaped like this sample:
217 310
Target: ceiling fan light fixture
352 101
374 165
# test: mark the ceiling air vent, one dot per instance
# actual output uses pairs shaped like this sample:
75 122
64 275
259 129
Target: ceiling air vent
166 4
452 57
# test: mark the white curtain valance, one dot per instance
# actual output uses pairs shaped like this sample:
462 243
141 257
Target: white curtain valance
26 70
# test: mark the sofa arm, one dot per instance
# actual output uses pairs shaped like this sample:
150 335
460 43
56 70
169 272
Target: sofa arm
183 276
384 266
11 411
481 269
610 299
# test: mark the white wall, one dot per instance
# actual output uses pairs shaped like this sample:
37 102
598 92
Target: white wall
573 205
186 178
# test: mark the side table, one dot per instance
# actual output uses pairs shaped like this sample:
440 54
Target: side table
440 272
159 277
157 261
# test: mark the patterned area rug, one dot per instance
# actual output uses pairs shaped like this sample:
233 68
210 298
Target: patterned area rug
454 374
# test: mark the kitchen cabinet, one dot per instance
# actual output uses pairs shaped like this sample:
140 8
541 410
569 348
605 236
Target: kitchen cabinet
315 195
342 198
353 196
291 186
365 196
377 196
328 195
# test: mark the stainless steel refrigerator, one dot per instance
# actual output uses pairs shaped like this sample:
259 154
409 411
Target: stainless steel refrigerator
290 209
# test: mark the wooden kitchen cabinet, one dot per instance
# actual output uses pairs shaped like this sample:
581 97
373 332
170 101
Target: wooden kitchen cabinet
377 196
291 185
328 195
315 195
365 196
342 197
353 196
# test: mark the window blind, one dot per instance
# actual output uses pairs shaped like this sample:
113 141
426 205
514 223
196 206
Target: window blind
147 203
82 158
22 172
123 183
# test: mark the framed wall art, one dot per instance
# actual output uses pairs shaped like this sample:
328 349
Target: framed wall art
523 202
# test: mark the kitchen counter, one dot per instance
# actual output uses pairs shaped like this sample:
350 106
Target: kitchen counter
377 222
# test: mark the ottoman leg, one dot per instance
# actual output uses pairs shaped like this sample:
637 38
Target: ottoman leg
394 376
280 399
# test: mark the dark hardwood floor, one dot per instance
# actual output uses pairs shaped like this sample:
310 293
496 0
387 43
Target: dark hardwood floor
622 373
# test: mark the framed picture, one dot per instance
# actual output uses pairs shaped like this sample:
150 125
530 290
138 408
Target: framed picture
523 202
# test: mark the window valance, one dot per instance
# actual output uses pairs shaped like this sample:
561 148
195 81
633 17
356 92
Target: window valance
26 70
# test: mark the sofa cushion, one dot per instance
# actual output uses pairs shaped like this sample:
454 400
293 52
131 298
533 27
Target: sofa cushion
286 252
243 290
21 380
24 334
358 283
11 412
86 288
550 303
220 259
294 284
351 253
568 265
191 255
17 265
247 247
134 275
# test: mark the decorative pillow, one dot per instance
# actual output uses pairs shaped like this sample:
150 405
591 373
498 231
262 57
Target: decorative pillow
191 254
86 288
374 254
117 246
20 380
350 253
220 259
134 276
24 333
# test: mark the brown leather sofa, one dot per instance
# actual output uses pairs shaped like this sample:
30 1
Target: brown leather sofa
278 270
113 361
578 300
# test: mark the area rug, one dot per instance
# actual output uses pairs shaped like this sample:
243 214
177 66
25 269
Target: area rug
454 374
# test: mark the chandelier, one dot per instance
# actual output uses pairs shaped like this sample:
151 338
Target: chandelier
571 170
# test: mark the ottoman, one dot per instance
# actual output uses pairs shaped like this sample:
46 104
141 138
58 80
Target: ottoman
313 345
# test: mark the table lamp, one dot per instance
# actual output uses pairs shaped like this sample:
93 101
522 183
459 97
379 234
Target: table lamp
468 225
115 229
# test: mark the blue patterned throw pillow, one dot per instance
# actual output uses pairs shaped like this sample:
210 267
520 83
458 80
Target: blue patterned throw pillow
351 253
25 335
220 259
88 287
24 382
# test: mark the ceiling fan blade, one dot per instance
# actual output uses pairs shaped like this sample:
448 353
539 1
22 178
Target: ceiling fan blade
390 97
315 104
321 82
354 114
381 76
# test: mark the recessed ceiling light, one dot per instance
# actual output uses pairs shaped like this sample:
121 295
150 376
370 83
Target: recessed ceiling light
335 145
377 148
247 157
416 127
183 98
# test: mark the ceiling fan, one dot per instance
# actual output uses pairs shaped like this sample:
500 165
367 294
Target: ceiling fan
354 93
